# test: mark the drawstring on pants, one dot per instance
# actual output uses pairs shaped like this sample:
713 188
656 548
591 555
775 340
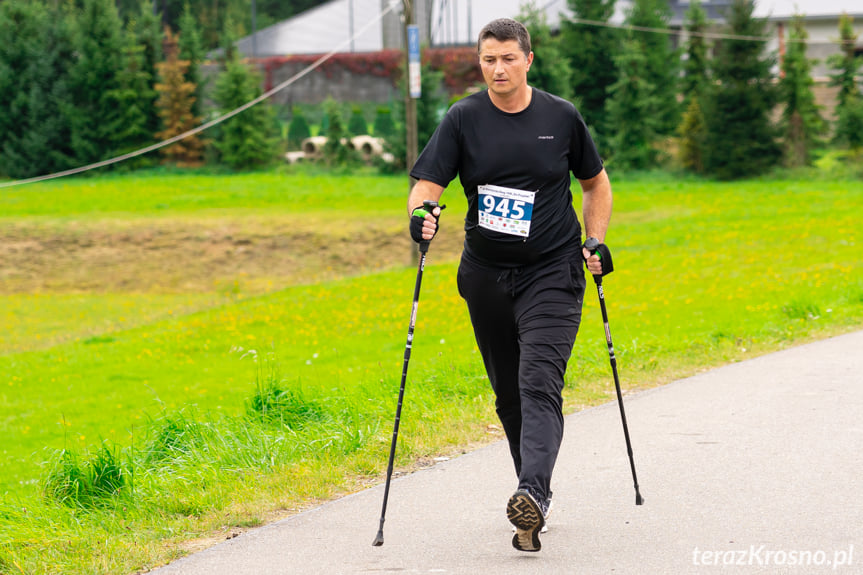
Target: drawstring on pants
508 275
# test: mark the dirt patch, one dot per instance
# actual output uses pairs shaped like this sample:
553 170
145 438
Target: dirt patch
252 256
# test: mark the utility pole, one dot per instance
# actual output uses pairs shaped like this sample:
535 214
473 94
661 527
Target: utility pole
254 30
351 22
412 61
413 65
469 21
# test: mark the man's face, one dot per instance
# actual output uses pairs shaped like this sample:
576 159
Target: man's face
504 66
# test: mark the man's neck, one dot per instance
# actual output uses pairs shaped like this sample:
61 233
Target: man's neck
512 103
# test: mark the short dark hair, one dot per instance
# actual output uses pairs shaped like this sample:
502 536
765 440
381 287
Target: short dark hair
504 29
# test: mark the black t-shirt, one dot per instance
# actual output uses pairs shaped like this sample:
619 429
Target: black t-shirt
533 150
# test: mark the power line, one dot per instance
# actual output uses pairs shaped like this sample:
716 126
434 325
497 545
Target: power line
227 116
677 32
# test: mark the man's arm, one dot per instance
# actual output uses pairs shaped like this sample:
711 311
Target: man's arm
596 205
425 190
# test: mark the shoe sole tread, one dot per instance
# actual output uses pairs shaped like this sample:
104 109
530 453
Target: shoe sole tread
524 512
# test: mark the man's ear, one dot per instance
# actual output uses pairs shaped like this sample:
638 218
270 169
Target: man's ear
529 60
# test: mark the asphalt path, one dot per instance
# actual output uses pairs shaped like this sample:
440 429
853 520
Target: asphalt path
756 467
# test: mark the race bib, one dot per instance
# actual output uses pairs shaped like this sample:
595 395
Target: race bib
505 210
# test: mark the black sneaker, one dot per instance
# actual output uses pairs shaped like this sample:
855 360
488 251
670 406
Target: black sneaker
527 515
546 511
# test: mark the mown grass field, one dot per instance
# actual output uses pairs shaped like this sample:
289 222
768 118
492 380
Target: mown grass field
220 350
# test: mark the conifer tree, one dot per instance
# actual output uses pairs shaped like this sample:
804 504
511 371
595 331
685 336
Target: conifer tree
692 136
740 140
357 125
848 130
631 108
94 77
383 126
694 83
846 63
336 151
148 30
430 109
432 106
590 51
134 98
192 51
660 61
298 130
176 98
549 71
695 66
35 49
244 141
802 123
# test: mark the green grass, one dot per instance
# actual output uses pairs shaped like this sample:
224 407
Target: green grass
136 421
157 194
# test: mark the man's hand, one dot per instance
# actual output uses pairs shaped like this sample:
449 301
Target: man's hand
423 225
594 265
598 257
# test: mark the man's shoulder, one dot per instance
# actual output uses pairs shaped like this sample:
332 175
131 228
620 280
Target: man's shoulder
550 99
477 100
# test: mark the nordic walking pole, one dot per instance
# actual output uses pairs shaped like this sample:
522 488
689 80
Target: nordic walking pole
423 248
593 246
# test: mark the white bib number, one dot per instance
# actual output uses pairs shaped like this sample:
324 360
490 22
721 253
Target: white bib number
505 210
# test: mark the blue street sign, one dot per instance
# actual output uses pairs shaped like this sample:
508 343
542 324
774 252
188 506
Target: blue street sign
414 61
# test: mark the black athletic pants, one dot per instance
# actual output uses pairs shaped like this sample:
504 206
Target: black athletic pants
525 321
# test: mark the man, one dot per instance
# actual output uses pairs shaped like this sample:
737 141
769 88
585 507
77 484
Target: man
521 272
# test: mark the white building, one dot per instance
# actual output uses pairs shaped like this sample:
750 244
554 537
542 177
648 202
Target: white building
372 25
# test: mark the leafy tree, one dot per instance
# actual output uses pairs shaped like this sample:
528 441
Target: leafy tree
631 110
549 71
590 51
660 61
801 120
176 98
848 129
740 139
298 130
357 125
94 78
245 140
35 48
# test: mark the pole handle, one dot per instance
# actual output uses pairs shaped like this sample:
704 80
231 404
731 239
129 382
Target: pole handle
594 246
428 208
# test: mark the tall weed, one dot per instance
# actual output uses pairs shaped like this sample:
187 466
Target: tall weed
95 481
274 402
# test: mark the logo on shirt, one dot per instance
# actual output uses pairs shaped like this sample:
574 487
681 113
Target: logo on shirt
545 137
